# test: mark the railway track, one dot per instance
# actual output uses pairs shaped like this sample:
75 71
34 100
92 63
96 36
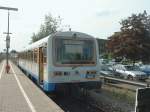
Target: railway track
91 104
82 103
124 84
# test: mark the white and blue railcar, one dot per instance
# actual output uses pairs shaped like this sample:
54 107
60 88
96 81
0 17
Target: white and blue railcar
62 58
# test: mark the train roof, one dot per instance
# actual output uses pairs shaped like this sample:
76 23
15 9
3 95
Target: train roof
36 44
71 33
43 41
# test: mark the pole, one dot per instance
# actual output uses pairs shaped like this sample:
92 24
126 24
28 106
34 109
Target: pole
7 43
7 36
8 22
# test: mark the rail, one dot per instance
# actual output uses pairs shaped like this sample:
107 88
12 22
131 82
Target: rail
112 79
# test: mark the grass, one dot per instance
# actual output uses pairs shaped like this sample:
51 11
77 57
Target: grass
124 95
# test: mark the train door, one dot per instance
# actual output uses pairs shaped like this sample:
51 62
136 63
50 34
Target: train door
41 65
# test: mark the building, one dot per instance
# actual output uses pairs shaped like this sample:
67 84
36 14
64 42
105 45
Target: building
102 45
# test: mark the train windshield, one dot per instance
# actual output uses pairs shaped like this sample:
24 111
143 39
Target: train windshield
74 51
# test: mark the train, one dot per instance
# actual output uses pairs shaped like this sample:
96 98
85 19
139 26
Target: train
62 58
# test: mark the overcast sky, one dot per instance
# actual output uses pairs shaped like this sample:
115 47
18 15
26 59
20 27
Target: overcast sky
99 18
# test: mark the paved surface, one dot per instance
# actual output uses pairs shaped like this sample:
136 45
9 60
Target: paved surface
19 94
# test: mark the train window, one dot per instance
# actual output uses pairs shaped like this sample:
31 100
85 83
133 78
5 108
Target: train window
18 55
70 51
45 54
35 55
31 55
28 54
23 55
27 57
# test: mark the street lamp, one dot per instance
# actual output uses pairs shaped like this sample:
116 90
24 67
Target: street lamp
7 36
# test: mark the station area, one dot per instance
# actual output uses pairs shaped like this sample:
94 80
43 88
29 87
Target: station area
20 94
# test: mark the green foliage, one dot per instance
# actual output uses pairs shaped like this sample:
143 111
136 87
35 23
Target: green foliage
107 56
133 41
51 25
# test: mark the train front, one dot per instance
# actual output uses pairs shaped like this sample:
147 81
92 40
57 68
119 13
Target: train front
74 61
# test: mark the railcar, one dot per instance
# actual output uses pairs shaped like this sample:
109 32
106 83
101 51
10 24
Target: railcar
63 58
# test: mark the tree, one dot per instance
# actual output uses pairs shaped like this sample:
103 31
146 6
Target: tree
34 37
133 41
51 25
13 51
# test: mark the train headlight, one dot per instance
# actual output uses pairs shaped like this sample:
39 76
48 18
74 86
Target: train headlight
66 73
91 72
58 73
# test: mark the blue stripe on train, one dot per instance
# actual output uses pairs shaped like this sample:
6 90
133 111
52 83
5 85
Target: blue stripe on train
48 87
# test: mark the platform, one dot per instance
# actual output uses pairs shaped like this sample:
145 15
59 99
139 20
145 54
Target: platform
20 94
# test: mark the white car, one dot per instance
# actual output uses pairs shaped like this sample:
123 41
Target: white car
145 69
130 72
106 70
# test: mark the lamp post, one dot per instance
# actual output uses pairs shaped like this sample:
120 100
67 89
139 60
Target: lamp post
7 36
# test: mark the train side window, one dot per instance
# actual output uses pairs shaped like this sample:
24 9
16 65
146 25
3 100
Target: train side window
45 54
24 55
35 55
19 55
28 55
32 55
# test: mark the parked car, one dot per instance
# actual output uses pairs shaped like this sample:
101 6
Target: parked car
130 72
107 62
106 70
146 69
